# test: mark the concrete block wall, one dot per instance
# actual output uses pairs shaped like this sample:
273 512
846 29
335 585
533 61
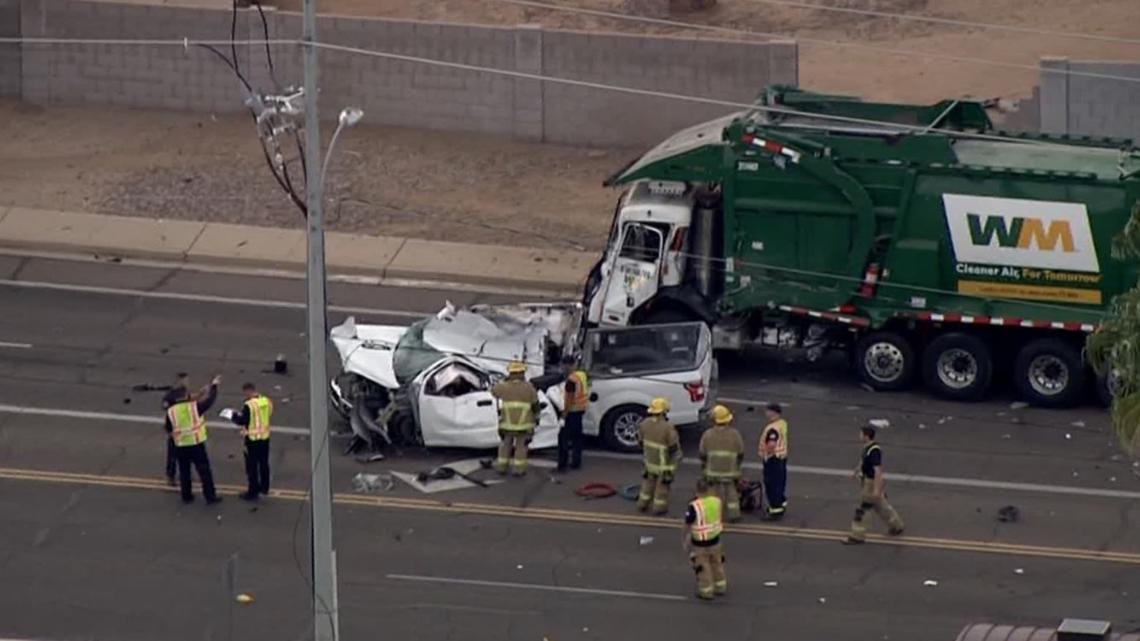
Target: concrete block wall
1093 106
392 91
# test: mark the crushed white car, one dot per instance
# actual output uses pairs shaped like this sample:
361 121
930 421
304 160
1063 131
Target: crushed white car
430 383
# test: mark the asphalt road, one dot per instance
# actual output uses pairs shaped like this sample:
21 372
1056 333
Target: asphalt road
94 546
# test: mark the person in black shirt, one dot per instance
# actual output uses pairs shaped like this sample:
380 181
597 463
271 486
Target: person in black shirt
871 493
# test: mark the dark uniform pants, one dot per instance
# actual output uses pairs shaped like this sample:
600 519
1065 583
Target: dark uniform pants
708 563
776 484
257 466
570 442
171 458
195 455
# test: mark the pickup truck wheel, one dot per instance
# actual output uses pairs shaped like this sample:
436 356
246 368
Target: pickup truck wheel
619 427
958 366
885 361
1049 372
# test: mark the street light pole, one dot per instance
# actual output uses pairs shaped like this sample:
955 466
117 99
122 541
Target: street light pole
323 559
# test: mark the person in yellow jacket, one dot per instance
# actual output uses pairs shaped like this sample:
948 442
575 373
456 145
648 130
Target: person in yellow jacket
704 525
661 451
773 450
722 451
187 429
518 416
254 419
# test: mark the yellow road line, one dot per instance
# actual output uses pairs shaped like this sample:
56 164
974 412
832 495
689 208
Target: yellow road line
581 516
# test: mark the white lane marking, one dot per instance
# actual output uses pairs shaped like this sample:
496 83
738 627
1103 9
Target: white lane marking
15 346
215 423
203 298
267 272
534 586
798 469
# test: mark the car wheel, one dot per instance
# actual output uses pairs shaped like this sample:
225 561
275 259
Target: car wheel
1049 373
885 361
958 366
619 427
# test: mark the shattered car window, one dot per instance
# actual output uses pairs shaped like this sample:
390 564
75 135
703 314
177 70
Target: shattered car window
455 380
412 354
646 349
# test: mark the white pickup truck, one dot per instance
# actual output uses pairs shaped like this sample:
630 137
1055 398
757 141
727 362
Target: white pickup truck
429 383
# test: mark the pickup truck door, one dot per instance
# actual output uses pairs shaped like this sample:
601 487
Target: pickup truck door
634 276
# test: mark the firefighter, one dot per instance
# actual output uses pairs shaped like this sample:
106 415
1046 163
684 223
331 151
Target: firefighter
254 418
773 450
518 416
703 527
661 451
871 493
577 395
187 428
722 452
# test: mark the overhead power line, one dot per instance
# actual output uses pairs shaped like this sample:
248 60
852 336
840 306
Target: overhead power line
910 53
910 17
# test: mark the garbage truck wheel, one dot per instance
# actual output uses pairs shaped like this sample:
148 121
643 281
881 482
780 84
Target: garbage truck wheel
958 366
1049 373
885 361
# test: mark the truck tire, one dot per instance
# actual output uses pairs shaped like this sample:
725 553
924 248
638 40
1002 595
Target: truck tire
1049 372
958 366
619 427
885 361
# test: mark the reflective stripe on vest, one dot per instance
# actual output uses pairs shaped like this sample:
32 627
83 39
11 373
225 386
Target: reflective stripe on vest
578 402
867 449
517 416
721 464
187 427
260 409
656 457
781 428
708 525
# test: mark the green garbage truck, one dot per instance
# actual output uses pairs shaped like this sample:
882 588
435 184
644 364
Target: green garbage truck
929 245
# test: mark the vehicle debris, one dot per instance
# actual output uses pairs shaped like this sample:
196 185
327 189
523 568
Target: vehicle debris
1006 436
879 423
280 365
822 600
1077 423
645 540
151 387
372 482
244 599
452 476
1019 571
930 583
1018 405
1009 514
771 584
1068 437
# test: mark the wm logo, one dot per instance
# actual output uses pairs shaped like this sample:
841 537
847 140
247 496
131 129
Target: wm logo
1022 233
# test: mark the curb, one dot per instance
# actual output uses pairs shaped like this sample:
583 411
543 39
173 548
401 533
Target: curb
374 259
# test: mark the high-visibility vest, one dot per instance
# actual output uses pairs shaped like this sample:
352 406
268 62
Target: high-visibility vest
578 401
187 427
516 416
260 408
708 525
867 449
722 465
781 428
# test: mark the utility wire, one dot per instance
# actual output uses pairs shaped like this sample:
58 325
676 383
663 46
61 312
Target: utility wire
910 53
910 17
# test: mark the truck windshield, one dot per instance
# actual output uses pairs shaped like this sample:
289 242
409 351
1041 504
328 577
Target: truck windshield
641 243
647 349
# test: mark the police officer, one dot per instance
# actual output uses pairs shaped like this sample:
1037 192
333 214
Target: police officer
576 394
187 429
518 416
773 452
703 528
871 493
722 451
176 393
254 418
660 451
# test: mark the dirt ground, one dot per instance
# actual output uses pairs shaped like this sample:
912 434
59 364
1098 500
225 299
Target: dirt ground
494 190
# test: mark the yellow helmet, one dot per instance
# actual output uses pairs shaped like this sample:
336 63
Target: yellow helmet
721 415
516 367
658 406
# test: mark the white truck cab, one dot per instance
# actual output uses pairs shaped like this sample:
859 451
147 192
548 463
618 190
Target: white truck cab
646 252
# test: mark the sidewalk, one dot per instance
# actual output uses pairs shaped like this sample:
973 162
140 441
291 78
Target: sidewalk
219 243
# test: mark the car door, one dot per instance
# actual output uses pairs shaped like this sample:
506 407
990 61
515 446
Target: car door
456 408
634 276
